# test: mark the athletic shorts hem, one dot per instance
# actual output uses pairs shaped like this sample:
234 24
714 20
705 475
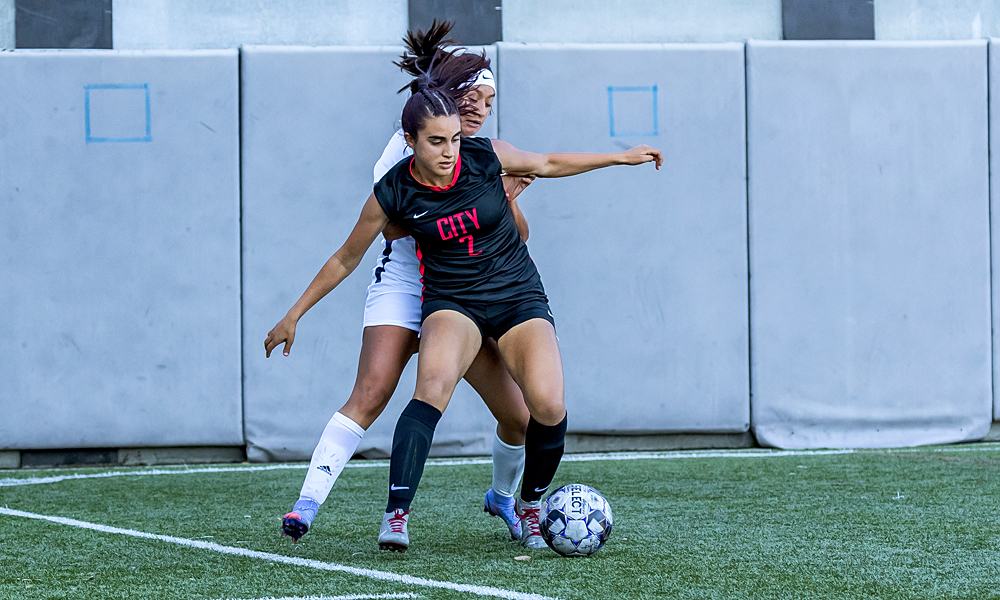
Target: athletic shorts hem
393 308
494 319
404 324
439 305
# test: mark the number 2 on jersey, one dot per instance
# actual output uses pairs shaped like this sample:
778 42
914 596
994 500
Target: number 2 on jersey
469 237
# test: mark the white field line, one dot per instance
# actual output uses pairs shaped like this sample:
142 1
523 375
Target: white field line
610 456
479 590
348 597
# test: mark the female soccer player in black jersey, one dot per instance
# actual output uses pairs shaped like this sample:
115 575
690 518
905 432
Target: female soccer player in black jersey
478 281
392 324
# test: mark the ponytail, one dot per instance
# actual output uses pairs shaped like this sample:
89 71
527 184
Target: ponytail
440 91
424 47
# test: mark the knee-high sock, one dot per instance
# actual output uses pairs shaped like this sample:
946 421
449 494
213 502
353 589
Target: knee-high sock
543 449
508 466
336 446
410 444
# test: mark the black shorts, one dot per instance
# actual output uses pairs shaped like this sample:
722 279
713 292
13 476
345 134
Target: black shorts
493 318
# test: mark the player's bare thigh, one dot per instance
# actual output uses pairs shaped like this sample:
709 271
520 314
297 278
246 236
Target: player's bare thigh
488 375
449 342
385 350
531 352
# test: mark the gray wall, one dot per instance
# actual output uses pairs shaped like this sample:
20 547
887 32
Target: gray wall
869 243
309 144
229 23
646 271
625 21
994 83
936 19
119 277
142 24
6 24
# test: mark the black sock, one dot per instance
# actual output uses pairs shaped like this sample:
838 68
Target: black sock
410 444
543 449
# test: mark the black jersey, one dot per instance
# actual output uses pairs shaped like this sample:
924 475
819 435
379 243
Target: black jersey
467 243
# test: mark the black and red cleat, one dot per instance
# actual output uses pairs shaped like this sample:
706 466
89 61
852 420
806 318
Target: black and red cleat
293 526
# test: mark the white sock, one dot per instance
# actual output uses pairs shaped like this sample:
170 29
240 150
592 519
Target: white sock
508 466
336 446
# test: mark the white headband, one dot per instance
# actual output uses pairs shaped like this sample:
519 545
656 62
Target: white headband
485 77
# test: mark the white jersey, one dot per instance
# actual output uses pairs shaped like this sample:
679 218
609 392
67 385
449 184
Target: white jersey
395 151
394 293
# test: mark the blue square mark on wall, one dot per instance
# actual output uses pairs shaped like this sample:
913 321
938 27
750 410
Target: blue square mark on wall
116 112
632 111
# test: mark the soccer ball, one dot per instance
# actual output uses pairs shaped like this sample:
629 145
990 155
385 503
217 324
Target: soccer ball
575 520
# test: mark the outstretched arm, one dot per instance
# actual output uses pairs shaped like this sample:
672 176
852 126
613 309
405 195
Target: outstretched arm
522 162
336 269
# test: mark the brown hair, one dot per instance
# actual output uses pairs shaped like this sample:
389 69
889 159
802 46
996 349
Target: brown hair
441 78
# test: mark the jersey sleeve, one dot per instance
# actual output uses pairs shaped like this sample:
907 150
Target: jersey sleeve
482 149
394 152
385 194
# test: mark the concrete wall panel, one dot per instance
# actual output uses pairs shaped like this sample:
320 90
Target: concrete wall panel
646 270
119 249
994 82
7 18
936 19
183 24
625 21
314 123
869 243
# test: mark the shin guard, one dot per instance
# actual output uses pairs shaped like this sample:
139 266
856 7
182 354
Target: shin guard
411 443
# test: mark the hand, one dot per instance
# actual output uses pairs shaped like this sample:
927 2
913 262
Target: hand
283 332
642 154
515 184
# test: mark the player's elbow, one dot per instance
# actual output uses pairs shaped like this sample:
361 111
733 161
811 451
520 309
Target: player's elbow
547 167
346 259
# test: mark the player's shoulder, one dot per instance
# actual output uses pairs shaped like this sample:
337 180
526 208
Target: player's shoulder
478 151
395 173
477 144
395 151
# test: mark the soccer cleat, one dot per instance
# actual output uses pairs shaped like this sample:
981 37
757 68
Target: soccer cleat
393 534
503 507
293 526
531 533
296 523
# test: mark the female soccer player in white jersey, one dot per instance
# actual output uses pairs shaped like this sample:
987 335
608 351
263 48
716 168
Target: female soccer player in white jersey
479 281
391 325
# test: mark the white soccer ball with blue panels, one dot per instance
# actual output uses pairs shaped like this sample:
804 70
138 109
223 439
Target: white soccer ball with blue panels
575 520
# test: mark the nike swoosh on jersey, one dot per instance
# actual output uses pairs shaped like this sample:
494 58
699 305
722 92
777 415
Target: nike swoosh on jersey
395 487
421 214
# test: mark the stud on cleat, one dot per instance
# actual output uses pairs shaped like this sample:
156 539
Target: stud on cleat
293 526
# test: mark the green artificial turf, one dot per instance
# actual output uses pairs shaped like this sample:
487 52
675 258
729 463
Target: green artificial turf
906 524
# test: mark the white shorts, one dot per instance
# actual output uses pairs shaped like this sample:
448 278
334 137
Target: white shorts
394 293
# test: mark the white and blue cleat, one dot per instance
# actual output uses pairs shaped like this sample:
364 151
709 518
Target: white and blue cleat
503 507
296 523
